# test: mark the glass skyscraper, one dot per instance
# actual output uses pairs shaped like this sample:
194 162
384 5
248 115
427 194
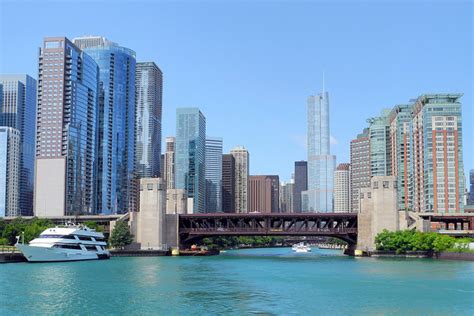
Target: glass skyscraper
301 184
190 172
400 120
68 85
18 110
380 147
471 190
149 90
321 164
213 174
116 124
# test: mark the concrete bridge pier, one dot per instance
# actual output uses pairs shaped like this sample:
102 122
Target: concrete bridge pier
378 211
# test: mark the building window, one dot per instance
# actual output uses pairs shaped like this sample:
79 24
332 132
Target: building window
385 184
376 185
149 186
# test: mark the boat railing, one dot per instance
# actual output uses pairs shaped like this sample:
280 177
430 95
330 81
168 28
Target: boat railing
8 249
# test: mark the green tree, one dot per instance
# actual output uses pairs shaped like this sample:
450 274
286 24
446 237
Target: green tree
13 229
443 242
121 236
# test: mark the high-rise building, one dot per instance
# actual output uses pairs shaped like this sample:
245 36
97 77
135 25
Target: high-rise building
241 177
149 91
342 188
264 194
10 140
286 196
68 86
190 172
18 110
360 167
213 174
400 120
116 124
169 163
301 184
380 147
228 183
471 190
438 172
321 164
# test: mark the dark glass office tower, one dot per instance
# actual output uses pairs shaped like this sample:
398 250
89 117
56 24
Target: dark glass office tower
301 184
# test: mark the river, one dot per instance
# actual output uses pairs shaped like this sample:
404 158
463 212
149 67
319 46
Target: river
271 281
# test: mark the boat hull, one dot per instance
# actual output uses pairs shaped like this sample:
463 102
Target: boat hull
45 254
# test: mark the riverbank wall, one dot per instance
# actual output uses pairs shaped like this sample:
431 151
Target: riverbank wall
465 256
139 253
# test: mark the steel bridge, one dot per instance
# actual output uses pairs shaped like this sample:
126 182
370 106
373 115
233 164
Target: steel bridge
193 227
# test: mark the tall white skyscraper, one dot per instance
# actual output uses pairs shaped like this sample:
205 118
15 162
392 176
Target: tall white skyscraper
342 188
321 164
9 171
241 178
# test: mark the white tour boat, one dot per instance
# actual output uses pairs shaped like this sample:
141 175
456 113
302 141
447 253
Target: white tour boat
65 243
301 247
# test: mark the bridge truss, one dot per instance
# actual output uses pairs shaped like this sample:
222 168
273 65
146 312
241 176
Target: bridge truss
193 227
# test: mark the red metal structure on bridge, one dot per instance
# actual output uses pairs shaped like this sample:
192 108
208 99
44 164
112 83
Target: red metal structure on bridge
193 227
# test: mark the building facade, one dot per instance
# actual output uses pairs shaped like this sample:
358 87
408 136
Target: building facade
149 95
228 183
286 197
360 167
400 121
264 194
190 172
321 164
116 124
169 163
18 110
342 188
213 174
301 184
438 170
10 140
68 92
241 177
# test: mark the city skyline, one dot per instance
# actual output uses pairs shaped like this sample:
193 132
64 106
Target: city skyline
367 94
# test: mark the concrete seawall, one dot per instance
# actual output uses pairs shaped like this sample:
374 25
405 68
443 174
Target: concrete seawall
466 256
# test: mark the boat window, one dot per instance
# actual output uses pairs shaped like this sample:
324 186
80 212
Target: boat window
84 238
70 247
90 248
51 236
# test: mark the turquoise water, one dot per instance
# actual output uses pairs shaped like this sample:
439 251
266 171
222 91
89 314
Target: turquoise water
253 281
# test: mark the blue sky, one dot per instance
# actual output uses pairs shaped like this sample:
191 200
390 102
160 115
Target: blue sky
250 65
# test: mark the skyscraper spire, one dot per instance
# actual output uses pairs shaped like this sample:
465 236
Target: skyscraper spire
323 84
